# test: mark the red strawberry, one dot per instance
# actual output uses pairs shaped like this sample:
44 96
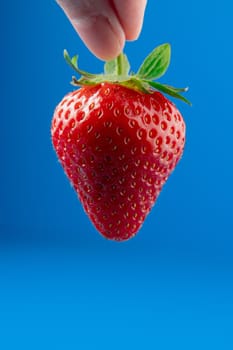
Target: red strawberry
118 140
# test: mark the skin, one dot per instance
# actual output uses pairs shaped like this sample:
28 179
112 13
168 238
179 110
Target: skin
105 25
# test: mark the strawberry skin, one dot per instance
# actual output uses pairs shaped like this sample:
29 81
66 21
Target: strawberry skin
118 147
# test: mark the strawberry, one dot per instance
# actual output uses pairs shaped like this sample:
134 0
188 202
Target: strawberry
118 139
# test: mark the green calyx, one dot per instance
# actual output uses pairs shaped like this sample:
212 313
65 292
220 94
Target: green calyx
118 71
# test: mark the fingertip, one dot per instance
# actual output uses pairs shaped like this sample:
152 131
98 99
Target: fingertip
97 25
132 24
102 38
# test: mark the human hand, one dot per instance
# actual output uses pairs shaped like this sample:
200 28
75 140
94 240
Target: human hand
105 25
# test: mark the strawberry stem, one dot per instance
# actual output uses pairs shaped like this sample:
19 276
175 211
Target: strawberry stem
120 64
117 71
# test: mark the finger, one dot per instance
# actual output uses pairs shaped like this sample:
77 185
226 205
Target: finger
97 25
130 14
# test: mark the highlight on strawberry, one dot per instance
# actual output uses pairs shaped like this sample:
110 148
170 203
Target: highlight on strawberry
118 138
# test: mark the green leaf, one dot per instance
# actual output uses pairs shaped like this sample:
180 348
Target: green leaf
119 66
156 63
168 90
185 89
110 67
136 84
73 63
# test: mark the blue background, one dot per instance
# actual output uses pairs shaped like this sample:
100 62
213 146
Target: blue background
62 286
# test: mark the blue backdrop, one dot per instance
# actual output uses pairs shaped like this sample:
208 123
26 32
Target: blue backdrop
62 286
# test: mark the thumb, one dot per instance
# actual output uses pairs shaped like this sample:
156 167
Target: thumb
97 25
